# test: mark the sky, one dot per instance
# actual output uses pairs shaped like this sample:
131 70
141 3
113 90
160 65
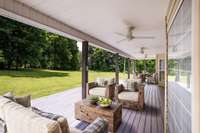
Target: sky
79 44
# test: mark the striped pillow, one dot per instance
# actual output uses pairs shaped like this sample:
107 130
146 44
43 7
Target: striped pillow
98 126
131 85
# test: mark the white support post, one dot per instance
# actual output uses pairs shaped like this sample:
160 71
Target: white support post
195 86
166 83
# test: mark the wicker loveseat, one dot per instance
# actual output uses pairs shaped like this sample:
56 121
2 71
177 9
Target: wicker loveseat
15 118
103 87
130 98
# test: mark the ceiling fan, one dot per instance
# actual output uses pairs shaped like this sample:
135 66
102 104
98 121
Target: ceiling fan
129 36
142 50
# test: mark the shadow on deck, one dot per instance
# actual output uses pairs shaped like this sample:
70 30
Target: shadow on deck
148 121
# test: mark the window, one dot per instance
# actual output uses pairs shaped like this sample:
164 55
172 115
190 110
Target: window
180 47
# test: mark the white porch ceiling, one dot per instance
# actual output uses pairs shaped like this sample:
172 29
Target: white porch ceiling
103 18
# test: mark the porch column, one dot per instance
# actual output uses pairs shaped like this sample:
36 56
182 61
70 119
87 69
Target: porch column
145 67
117 68
195 66
178 71
84 68
134 70
129 65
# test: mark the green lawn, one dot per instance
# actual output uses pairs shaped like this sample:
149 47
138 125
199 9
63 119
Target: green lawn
40 83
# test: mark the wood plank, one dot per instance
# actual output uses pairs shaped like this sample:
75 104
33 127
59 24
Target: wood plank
141 124
130 121
154 112
124 121
159 114
148 114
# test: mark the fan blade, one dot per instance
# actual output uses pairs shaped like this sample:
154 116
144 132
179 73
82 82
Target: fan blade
121 40
144 37
120 34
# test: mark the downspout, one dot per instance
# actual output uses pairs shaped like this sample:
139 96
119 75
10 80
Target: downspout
166 81
195 66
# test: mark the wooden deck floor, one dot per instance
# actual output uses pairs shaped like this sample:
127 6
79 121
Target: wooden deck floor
148 121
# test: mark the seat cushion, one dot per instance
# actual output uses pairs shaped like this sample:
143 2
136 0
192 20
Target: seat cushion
130 96
98 91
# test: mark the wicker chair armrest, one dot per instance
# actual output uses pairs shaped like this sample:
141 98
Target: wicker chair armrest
141 95
91 85
110 91
118 89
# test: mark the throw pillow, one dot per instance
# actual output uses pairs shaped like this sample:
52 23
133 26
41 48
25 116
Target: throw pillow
131 85
98 126
9 95
124 83
101 82
111 81
23 100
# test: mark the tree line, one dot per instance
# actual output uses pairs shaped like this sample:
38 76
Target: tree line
102 60
23 46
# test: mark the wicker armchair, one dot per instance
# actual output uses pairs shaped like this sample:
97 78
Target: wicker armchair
152 79
130 99
107 90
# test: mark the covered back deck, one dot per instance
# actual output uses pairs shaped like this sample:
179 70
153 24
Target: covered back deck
139 29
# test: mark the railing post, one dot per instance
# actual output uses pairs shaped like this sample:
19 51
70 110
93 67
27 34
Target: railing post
117 68
178 71
84 68
134 69
129 64
145 66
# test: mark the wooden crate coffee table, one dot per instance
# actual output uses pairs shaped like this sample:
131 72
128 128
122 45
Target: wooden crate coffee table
87 112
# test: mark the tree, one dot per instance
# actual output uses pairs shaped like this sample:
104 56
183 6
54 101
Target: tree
150 66
101 60
25 46
63 53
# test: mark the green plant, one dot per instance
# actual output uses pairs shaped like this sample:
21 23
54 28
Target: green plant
93 99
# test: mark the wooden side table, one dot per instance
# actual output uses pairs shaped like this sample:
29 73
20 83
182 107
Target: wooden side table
87 112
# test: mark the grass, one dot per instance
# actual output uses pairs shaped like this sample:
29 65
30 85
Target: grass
40 83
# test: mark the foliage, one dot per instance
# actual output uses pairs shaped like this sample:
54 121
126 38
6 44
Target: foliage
150 65
24 46
102 60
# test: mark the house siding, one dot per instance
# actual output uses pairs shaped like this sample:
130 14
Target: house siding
179 109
